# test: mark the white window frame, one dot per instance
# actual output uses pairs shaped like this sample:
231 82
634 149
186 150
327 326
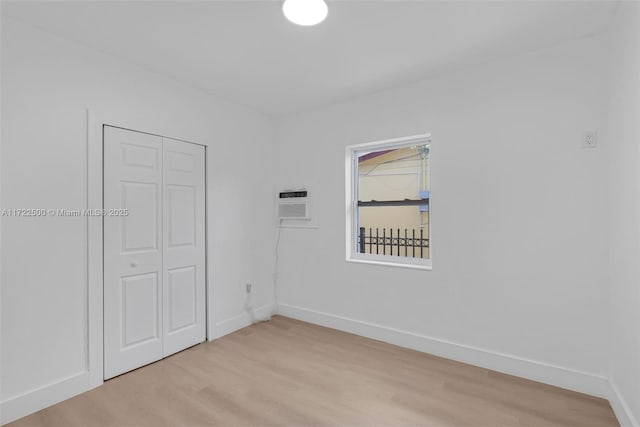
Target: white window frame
351 192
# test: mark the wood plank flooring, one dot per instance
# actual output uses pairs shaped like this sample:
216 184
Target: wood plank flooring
291 373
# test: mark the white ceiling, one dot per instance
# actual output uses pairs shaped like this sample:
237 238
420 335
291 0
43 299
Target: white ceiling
249 53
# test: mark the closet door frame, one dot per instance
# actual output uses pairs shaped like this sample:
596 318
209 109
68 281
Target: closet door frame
96 121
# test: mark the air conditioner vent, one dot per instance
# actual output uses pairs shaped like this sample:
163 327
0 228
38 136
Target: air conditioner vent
293 204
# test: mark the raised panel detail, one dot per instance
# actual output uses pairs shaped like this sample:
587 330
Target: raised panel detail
140 227
181 162
139 156
139 309
182 215
182 298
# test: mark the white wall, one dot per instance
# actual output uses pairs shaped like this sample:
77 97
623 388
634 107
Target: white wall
623 146
518 223
48 83
518 228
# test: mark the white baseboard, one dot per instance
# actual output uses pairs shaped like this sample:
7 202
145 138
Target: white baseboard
621 408
584 382
35 400
242 320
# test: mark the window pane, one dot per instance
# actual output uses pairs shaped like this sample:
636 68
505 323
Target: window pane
393 174
393 230
388 175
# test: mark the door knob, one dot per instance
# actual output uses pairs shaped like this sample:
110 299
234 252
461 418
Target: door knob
134 264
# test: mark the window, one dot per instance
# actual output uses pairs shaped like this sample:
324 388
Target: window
388 202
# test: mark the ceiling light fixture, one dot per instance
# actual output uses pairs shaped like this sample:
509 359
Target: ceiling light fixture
305 12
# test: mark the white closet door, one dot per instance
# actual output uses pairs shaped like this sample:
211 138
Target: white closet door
184 245
133 274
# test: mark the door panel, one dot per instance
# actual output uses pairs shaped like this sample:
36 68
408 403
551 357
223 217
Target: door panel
181 213
134 155
133 326
140 227
178 161
140 318
184 245
182 300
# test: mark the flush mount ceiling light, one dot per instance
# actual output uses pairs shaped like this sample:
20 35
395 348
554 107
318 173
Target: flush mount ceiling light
305 12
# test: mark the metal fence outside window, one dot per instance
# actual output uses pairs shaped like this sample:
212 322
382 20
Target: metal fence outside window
387 241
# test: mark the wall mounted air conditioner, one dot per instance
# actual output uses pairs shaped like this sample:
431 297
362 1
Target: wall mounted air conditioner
293 204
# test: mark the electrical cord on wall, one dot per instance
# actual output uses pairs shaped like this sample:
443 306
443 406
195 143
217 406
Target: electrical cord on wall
248 303
275 263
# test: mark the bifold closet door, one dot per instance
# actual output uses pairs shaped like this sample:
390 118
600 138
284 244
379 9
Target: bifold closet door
184 245
154 257
132 250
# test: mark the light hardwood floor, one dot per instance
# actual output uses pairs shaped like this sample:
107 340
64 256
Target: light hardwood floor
286 372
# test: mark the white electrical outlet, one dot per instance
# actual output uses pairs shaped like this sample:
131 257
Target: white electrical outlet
590 139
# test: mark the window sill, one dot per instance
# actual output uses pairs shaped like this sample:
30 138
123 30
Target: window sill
385 263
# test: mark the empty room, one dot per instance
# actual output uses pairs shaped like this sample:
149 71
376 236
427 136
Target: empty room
319 213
